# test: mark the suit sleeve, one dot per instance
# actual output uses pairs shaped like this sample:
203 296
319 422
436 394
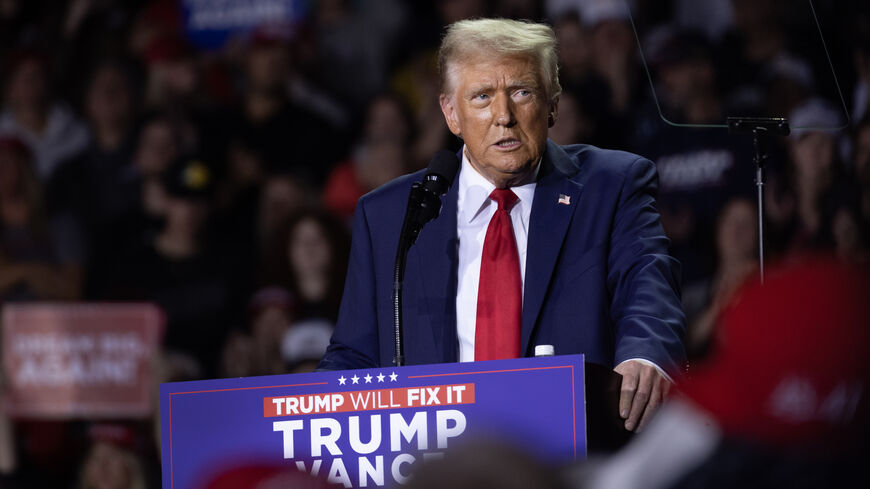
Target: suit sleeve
354 342
643 279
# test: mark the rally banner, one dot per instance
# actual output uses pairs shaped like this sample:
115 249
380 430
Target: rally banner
210 23
63 361
370 427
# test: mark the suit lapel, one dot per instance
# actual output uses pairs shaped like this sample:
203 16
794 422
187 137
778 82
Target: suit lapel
556 196
437 262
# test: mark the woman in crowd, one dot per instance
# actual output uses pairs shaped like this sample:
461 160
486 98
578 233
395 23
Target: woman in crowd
309 258
40 255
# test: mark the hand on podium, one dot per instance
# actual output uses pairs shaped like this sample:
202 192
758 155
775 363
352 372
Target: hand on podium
641 393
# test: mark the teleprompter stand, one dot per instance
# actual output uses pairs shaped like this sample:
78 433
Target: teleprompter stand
761 128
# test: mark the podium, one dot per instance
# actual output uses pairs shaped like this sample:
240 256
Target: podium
371 427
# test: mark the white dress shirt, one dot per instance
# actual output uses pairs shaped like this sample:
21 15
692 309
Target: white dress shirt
474 210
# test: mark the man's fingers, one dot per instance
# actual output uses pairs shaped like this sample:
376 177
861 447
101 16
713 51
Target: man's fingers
655 400
626 393
641 398
642 392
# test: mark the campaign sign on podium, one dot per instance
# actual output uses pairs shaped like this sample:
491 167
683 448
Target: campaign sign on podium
370 427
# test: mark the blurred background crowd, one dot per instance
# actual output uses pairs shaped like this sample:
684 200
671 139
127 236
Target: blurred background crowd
217 180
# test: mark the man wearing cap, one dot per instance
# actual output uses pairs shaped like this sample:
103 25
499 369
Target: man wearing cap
536 244
182 272
781 403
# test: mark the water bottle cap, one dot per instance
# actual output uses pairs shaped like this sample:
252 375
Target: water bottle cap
544 350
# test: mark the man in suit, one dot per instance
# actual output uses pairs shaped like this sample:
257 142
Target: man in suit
536 244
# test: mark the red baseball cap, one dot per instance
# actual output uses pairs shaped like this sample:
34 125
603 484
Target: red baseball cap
791 366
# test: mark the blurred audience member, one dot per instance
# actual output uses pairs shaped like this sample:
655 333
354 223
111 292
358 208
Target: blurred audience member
586 100
309 258
801 205
50 129
236 205
737 260
685 76
416 84
861 165
356 39
256 348
782 400
575 53
245 173
288 136
110 105
100 185
571 127
41 256
276 343
156 19
8 457
237 356
112 461
372 165
850 234
124 202
789 81
861 92
614 48
173 75
387 119
756 38
272 312
180 271
47 453
304 344
159 145
713 16
283 195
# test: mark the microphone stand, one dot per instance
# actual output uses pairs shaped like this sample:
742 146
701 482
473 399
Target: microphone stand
398 279
423 206
761 128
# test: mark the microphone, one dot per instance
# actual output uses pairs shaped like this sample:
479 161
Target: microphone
441 172
424 200
424 204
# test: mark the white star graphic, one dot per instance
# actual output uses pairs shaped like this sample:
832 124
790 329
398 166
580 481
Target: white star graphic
380 377
368 379
393 377
341 380
355 379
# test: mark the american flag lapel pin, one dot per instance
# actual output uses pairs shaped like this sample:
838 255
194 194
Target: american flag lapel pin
564 199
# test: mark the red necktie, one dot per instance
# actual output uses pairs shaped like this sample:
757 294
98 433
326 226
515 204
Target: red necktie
499 294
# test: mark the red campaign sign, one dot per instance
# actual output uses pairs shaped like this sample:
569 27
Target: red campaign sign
65 361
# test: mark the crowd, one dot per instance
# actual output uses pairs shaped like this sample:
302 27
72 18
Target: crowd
219 183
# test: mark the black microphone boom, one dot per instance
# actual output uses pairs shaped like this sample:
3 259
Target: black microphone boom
424 204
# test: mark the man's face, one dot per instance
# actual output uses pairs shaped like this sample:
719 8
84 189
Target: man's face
500 107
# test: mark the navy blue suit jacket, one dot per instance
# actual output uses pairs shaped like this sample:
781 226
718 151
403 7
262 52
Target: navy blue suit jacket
599 280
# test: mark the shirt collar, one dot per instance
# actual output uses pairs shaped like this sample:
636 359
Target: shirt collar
474 190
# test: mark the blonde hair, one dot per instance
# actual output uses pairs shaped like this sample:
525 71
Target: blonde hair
503 37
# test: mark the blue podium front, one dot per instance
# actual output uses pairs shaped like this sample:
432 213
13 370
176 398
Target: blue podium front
370 427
